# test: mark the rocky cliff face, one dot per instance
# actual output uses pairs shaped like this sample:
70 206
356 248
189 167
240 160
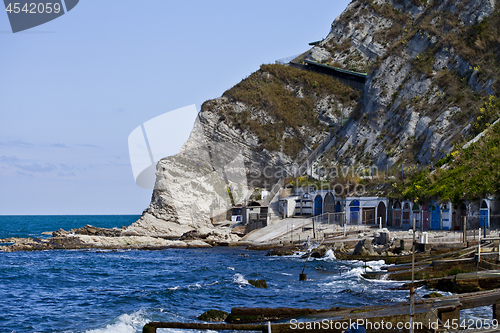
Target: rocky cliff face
253 135
431 65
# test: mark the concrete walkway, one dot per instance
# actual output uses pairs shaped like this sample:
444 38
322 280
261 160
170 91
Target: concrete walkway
290 229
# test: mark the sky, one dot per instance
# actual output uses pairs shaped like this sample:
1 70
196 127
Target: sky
73 89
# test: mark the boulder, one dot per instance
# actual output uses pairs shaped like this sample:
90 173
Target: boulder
90 230
213 316
59 233
320 251
192 235
364 248
339 247
382 236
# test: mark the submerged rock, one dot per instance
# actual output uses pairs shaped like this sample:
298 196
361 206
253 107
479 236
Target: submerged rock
213 315
318 252
281 252
258 283
434 294
255 315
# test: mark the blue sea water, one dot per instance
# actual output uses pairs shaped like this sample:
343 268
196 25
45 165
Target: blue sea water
34 225
119 291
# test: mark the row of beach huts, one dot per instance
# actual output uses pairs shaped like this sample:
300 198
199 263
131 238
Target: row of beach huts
325 207
433 215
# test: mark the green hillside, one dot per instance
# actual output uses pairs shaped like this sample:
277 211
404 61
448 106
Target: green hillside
464 174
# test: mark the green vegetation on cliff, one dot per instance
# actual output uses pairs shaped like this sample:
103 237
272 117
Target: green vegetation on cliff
468 173
283 106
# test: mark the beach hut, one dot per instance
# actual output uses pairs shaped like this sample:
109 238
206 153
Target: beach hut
287 206
390 213
382 212
460 211
425 217
484 214
353 217
417 215
304 205
368 208
397 214
406 215
494 217
446 211
318 205
434 215
329 203
255 216
237 213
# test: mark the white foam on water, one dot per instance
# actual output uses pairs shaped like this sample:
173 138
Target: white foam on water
126 323
287 274
231 268
240 279
213 283
329 256
194 286
297 254
174 288
477 316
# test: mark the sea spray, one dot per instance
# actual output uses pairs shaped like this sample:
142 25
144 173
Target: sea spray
240 279
126 323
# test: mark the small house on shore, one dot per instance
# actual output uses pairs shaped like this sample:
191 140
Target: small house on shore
255 216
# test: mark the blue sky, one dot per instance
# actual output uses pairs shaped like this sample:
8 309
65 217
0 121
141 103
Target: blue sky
73 89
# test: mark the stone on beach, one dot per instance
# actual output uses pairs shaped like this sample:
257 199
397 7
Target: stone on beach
364 248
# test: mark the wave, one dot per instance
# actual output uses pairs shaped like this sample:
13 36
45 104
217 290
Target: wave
126 323
212 284
174 288
329 256
240 279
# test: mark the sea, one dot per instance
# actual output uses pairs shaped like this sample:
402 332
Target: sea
105 291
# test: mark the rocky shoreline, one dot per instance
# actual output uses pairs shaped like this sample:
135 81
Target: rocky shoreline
102 238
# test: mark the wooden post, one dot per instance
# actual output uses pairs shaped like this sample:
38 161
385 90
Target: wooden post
314 230
497 245
465 230
479 246
496 311
449 315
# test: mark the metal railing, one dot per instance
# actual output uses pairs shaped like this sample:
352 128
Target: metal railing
331 218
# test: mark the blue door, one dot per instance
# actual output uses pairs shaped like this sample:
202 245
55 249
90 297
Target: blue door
318 205
435 217
354 212
483 219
